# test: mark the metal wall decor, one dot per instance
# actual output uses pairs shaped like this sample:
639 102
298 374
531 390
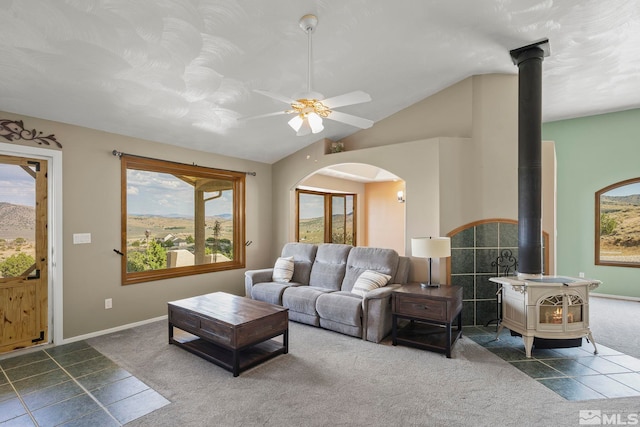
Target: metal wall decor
506 264
13 130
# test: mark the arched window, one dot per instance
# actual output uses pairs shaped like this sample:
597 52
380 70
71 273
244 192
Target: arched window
618 224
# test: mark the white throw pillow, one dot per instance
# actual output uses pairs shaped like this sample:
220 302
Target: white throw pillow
283 269
368 281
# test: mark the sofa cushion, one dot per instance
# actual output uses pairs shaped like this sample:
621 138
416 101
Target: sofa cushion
360 259
329 266
340 307
303 256
402 273
302 299
270 292
368 281
283 269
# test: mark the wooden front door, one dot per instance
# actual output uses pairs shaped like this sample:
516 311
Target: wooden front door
23 252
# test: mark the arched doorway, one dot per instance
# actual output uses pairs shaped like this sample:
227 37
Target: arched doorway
379 203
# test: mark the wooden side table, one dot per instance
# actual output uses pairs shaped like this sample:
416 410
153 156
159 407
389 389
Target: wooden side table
431 313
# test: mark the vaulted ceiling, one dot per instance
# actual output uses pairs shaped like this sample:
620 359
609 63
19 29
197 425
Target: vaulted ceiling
183 71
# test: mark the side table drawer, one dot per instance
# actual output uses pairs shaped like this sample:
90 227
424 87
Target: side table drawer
422 308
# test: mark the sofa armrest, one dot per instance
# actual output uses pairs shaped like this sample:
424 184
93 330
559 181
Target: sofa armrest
252 277
378 293
376 313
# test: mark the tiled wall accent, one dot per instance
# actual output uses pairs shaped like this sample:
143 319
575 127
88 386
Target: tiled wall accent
473 250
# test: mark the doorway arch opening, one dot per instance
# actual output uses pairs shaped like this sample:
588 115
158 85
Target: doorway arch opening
350 198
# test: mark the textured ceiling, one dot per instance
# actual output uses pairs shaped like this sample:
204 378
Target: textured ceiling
182 71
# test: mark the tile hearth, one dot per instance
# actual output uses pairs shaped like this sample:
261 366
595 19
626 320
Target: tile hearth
71 385
574 373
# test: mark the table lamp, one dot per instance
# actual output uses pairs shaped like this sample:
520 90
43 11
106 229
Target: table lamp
430 247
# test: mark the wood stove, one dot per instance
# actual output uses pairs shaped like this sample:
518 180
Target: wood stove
534 305
549 307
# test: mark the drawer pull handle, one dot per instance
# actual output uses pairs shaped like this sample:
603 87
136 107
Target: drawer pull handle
424 307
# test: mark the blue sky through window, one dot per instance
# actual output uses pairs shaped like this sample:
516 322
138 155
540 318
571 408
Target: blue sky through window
17 186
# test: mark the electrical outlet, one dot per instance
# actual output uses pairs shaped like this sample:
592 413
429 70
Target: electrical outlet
581 274
108 303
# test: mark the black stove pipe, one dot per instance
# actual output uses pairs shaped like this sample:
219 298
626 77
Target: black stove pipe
529 61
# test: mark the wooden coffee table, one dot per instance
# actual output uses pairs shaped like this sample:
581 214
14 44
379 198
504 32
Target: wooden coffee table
231 331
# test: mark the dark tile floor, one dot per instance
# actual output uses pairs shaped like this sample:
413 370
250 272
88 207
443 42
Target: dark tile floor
574 373
71 385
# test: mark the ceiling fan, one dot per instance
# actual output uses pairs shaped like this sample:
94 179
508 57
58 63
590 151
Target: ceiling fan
311 107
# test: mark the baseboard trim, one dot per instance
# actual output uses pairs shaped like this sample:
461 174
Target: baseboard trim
111 330
595 294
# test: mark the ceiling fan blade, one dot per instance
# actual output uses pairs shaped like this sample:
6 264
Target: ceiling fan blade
275 96
358 122
355 97
260 116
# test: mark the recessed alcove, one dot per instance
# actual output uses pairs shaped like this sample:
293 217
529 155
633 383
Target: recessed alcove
475 248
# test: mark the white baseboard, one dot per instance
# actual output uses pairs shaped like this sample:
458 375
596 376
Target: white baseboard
595 294
111 330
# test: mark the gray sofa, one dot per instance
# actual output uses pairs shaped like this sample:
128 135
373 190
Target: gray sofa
320 291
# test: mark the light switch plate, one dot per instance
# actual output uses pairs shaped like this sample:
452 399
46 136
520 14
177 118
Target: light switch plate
81 238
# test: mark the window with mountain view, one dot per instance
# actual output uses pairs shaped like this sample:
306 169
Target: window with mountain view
325 217
17 219
618 224
179 219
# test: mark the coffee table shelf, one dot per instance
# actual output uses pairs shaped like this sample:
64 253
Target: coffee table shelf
223 357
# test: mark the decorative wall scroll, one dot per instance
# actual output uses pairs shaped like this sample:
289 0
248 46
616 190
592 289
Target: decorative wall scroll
13 130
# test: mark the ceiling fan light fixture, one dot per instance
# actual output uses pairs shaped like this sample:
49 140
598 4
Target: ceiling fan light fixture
310 108
315 122
296 122
305 128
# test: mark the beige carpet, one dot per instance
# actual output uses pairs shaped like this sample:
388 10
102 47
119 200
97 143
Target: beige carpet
331 379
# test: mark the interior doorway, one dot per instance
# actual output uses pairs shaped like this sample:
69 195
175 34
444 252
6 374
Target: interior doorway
379 201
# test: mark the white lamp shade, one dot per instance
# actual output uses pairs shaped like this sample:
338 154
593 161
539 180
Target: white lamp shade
431 247
296 122
305 129
315 121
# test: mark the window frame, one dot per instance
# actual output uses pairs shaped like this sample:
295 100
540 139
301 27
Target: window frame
328 213
598 202
130 162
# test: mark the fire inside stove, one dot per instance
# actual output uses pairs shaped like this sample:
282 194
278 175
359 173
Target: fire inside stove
553 309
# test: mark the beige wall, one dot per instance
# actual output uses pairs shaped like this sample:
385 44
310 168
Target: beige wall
446 113
384 216
549 199
91 204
